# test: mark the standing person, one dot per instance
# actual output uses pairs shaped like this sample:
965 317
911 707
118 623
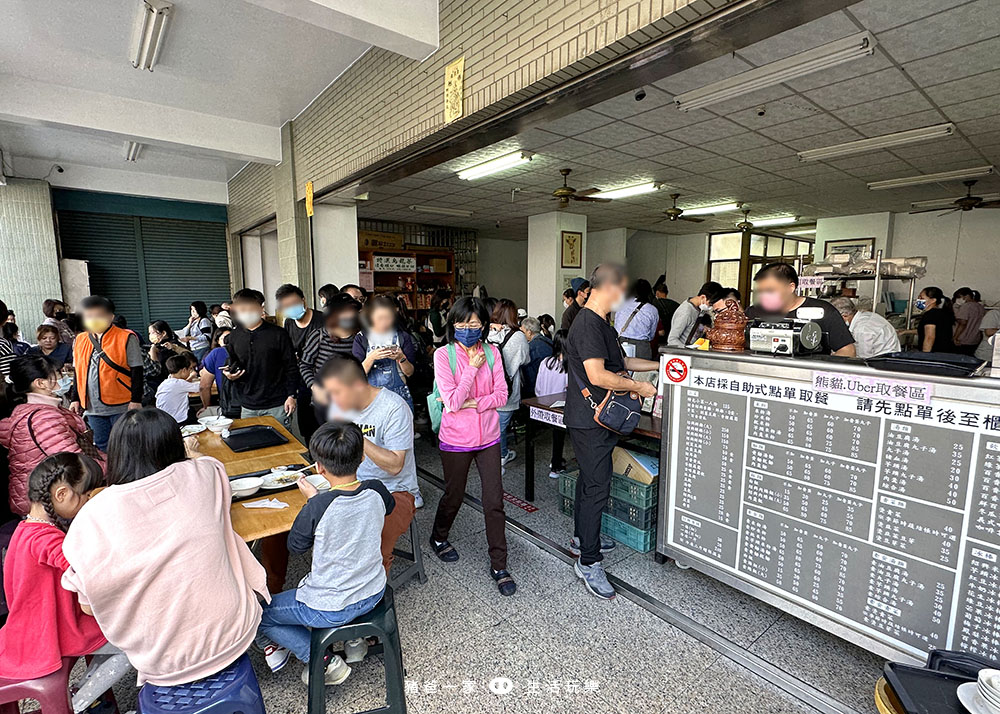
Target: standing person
663 304
936 326
470 431
6 348
687 313
262 358
988 327
581 291
39 427
355 291
636 321
55 314
539 347
437 318
159 542
50 346
552 379
108 364
337 337
548 324
514 353
969 312
230 401
872 333
595 361
196 335
300 321
342 527
386 421
326 294
387 354
776 285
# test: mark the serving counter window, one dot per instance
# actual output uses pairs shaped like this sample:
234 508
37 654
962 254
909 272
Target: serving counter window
865 502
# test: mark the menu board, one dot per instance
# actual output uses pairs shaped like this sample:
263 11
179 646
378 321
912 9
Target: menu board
876 506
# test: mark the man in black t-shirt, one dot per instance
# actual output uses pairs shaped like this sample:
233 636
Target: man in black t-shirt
594 359
300 321
775 284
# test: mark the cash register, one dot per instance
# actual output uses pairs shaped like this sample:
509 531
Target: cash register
779 335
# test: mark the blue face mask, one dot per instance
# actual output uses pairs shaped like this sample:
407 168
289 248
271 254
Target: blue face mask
296 312
63 386
468 336
921 304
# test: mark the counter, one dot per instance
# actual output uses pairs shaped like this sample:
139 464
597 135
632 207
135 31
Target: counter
863 501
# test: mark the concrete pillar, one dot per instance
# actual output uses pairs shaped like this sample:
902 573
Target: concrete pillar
294 248
546 277
335 244
606 247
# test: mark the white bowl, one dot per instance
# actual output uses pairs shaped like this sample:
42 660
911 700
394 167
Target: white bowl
243 487
216 424
319 482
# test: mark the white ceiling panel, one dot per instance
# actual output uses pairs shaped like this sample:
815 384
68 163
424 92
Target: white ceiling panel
712 71
808 126
666 118
802 38
776 112
975 109
626 106
576 123
916 120
879 15
848 70
733 146
861 89
704 132
965 61
962 90
883 108
614 134
652 145
957 27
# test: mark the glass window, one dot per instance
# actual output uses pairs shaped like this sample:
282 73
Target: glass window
774 248
805 248
725 272
758 245
725 246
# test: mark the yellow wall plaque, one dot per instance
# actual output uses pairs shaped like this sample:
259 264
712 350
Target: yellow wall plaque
454 87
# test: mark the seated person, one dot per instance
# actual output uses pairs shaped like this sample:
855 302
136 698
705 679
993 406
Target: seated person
172 394
46 623
343 526
386 421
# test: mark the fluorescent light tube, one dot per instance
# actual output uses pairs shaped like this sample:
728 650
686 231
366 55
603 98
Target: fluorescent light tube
803 232
501 163
637 190
776 221
959 175
783 70
148 36
912 136
706 210
441 210
132 150
950 202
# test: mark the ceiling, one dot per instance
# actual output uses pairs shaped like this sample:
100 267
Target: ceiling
230 73
936 61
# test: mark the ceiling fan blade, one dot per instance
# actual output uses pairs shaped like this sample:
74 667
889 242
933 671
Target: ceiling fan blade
929 210
946 213
692 219
588 191
989 204
591 199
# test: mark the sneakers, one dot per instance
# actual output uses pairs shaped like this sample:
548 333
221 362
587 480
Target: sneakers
596 580
606 545
555 474
511 455
276 656
336 672
355 650
418 501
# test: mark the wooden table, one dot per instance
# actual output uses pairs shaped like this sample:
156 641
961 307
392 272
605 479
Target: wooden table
540 410
885 699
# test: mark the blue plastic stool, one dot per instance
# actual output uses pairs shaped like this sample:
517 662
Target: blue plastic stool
234 690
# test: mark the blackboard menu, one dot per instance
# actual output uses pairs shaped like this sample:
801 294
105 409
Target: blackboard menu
869 501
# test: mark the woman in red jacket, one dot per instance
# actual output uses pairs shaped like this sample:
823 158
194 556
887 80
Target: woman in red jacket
39 427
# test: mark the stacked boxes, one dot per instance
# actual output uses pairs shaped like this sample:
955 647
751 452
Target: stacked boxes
630 516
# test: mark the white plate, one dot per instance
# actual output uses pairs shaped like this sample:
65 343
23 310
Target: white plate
968 694
272 481
192 429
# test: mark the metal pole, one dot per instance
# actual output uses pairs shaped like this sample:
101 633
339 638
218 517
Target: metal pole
877 297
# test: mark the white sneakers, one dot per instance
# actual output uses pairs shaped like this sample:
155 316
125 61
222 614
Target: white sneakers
511 455
356 650
337 672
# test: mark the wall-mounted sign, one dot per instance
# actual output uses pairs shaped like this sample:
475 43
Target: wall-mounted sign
377 240
395 264
309 198
454 87
572 249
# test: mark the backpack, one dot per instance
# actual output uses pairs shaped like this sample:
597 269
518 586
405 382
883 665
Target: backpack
509 379
435 407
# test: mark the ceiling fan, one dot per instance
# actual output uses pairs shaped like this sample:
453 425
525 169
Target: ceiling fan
566 193
745 224
965 203
677 214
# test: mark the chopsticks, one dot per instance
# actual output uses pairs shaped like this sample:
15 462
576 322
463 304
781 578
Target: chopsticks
304 468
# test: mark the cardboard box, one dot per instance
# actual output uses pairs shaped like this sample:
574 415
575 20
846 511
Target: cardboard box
439 265
638 467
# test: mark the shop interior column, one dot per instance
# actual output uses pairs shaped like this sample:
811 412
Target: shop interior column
335 244
547 279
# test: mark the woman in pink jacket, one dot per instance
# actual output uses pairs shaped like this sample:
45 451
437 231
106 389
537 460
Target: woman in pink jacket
40 427
472 386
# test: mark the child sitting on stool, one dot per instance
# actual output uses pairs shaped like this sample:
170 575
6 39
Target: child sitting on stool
173 392
343 526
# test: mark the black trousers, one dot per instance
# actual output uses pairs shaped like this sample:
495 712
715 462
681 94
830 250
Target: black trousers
593 449
558 463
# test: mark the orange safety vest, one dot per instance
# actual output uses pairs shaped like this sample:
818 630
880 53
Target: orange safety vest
113 373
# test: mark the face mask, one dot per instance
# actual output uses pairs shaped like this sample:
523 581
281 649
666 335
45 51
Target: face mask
705 307
59 314
347 323
771 302
468 336
62 386
921 304
567 303
248 319
959 302
296 312
96 324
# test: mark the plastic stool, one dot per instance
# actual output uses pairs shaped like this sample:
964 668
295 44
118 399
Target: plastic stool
51 691
416 568
380 623
234 690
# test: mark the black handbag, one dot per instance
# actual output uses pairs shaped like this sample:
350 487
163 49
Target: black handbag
619 411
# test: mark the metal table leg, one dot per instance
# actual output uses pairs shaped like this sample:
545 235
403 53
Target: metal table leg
530 432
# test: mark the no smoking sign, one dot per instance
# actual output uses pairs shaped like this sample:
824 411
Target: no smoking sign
676 370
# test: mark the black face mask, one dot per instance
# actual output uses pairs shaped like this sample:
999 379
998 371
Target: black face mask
59 314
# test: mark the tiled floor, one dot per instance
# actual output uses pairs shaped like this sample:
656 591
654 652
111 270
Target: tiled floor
565 651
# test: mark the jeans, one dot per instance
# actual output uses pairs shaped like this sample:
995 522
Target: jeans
505 418
288 622
101 424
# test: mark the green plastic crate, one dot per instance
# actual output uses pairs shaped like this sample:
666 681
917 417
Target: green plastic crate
641 518
623 489
636 539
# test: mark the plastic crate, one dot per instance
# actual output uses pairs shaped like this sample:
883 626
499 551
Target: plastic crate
636 539
566 505
622 489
